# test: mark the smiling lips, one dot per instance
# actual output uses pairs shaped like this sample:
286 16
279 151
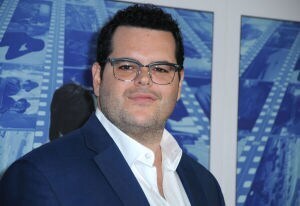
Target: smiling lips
142 98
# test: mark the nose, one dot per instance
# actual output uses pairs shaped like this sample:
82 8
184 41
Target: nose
143 76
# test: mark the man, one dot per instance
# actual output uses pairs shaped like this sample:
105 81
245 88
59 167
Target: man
122 155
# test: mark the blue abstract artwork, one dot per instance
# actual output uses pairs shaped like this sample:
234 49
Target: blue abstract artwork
269 113
47 43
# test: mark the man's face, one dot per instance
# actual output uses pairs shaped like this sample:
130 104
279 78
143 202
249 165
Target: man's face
139 104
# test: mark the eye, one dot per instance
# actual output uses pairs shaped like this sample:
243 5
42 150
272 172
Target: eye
162 69
125 67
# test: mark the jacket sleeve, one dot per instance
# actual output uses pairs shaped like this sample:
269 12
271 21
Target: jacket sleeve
23 184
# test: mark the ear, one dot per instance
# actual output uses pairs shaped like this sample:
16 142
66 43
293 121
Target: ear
96 77
180 83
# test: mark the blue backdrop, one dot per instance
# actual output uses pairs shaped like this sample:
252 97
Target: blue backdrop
46 43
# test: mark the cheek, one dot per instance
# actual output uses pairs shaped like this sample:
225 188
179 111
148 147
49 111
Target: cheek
112 92
170 99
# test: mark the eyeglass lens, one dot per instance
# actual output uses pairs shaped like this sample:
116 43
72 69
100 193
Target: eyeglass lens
159 73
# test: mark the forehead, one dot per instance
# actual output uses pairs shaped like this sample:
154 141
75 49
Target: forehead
128 40
121 31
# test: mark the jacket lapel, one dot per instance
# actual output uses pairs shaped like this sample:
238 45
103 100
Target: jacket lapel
191 183
112 164
119 175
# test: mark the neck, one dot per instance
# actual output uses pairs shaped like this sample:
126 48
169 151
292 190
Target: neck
149 138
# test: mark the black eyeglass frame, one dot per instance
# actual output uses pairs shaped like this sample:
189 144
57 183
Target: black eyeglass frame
113 60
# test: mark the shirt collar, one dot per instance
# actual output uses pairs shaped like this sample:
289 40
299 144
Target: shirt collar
171 152
134 151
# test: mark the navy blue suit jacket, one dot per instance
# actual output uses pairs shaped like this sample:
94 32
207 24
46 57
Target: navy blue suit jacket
86 168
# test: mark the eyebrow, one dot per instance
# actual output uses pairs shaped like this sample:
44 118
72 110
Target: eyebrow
137 61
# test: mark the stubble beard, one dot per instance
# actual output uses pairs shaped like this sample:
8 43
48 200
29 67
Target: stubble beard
146 132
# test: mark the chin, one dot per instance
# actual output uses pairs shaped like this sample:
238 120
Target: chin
145 121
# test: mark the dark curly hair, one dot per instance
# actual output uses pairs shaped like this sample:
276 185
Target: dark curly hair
138 15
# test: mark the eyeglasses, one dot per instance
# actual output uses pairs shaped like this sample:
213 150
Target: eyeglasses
126 69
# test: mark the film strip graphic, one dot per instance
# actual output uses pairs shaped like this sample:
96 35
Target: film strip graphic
190 33
53 70
253 153
196 140
251 53
6 11
41 69
196 124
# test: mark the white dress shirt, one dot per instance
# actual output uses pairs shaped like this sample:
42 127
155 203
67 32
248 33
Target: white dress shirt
141 160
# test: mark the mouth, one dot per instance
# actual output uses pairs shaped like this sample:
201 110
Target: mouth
143 98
